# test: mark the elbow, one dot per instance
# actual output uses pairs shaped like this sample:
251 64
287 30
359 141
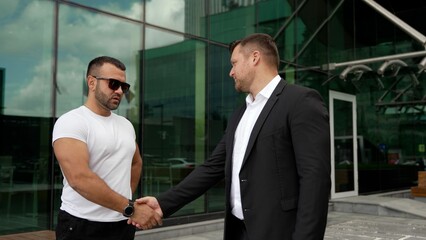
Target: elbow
76 180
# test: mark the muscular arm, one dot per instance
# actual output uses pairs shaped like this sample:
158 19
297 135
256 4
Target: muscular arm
73 157
136 169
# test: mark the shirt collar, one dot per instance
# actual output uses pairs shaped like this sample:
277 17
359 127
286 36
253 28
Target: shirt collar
266 92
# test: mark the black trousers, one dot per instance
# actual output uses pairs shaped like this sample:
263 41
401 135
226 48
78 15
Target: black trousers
74 228
237 229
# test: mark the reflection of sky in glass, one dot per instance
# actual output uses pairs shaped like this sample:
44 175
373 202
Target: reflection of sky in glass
102 35
26 54
120 7
26 48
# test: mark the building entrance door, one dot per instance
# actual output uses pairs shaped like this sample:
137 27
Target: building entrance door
344 154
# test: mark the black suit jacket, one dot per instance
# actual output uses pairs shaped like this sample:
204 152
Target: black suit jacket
285 175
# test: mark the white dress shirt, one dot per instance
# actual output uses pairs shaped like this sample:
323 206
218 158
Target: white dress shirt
242 136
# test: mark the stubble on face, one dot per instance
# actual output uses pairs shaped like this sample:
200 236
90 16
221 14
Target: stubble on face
243 77
239 67
107 102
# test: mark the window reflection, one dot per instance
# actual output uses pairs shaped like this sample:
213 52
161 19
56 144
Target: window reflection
25 107
127 8
26 57
172 15
103 35
173 123
222 100
181 94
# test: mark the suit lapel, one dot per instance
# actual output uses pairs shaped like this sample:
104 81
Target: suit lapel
262 117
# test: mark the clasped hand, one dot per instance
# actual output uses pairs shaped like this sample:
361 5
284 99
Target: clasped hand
147 213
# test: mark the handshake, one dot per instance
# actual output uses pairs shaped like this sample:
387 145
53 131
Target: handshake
147 213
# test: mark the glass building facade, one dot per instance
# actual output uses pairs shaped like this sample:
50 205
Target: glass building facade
369 68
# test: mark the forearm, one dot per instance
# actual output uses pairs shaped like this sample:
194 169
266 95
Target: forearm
136 175
136 169
94 189
189 189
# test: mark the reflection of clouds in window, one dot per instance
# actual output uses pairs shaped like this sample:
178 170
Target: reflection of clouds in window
24 33
85 32
169 14
33 98
120 7
71 77
166 13
26 53
92 32
162 38
27 45
10 5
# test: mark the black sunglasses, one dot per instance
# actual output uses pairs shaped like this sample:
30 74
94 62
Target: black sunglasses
114 84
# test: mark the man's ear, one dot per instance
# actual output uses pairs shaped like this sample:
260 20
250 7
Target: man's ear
90 82
255 56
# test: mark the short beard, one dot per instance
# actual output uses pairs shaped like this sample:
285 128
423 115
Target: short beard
103 100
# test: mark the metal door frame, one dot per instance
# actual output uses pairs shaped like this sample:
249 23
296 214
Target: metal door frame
333 95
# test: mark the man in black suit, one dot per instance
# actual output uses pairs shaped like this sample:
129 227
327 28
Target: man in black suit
275 155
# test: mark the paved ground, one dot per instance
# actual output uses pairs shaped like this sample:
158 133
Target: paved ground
340 226
353 226
390 216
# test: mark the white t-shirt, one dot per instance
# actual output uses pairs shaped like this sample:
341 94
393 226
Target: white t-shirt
111 145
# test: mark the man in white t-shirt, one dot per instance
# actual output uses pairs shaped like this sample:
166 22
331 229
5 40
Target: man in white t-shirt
100 160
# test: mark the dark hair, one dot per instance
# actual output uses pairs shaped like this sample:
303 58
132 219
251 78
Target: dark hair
99 61
262 42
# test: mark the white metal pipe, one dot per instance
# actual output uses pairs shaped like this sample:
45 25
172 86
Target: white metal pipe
332 66
407 28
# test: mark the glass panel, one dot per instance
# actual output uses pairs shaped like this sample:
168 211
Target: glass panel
178 15
25 97
103 35
221 102
343 146
231 20
392 130
127 8
26 57
174 112
195 17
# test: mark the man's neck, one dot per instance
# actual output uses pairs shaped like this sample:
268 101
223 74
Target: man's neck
98 110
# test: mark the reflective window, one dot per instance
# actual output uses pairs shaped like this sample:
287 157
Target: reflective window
390 103
181 95
84 35
221 102
26 57
185 16
173 14
230 20
174 112
127 8
25 91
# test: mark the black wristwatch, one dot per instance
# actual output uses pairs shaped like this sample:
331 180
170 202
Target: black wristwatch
129 209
